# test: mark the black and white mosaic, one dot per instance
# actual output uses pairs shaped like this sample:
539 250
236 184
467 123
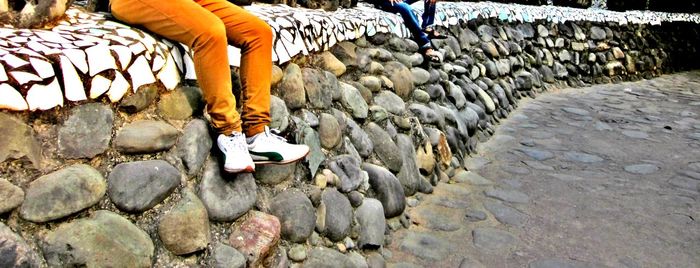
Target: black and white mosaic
88 56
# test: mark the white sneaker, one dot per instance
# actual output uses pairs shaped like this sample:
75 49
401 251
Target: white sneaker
268 148
236 156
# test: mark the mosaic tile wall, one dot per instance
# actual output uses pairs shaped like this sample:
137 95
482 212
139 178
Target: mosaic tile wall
88 56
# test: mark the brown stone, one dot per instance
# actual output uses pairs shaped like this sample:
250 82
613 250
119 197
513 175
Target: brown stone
425 159
18 141
185 229
444 152
277 74
256 236
12 196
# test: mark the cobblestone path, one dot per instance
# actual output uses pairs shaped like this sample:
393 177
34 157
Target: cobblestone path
605 176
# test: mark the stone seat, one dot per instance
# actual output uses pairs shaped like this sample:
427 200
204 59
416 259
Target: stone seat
88 56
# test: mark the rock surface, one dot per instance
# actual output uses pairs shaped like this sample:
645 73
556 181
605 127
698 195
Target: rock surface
256 237
295 213
87 132
226 197
185 229
146 136
138 186
104 239
61 193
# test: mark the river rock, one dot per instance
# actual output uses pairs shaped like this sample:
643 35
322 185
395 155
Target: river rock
314 85
278 114
63 192
335 215
12 196
391 102
384 147
103 240
226 198
146 136
347 168
327 258
140 100
359 139
185 228
18 141
224 256
329 131
180 103
194 145
139 186
87 131
370 218
274 174
295 213
256 237
14 250
330 63
353 101
409 175
401 77
291 88
387 188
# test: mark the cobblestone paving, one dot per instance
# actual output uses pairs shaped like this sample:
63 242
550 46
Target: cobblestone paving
605 176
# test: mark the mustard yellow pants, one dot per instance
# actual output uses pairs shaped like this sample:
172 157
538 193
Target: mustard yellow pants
207 26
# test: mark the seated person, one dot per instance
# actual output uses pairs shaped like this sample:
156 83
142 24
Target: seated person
421 33
207 26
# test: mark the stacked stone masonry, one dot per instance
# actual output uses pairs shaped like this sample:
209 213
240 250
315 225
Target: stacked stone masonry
132 179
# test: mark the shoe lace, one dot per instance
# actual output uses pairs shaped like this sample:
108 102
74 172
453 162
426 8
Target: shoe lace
235 141
273 135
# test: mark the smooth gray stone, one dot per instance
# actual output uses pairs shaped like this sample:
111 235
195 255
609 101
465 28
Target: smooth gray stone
14 250
194 145
347 168
295 213
338 214
224 256
226 196
103 240
384 146
370 217
139 186
387 188
87 131
63 192
145 136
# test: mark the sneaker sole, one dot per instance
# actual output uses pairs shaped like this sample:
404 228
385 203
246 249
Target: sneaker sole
247 169
268 162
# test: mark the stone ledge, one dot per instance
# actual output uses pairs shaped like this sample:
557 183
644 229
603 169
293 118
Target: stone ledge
94 56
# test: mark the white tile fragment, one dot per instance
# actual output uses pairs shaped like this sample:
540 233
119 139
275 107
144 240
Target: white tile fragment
158 63
11 99
99 86
45 97
77 57
3 74
100 59
123 54
169 75
137 48
14 61
43 68
140 73
24 77
73 85
189 68
118 88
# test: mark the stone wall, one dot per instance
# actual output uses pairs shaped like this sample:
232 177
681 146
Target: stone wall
139 183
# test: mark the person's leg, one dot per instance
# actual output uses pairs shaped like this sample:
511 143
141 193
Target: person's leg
428 14
186 22
410 20
254 37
